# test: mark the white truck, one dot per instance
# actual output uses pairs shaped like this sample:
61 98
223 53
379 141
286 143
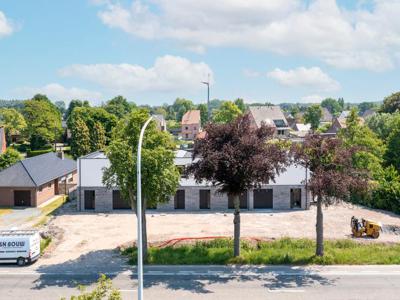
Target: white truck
20 246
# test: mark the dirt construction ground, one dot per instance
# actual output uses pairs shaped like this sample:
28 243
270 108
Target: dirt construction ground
87 233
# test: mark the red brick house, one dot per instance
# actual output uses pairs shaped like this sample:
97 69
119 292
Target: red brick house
3 143
191 124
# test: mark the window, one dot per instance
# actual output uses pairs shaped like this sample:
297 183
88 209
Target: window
194 128
281 132
187 128
186 135
205 199
179 200
89 197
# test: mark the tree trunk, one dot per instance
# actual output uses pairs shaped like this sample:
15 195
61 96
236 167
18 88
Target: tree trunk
320 228
236 222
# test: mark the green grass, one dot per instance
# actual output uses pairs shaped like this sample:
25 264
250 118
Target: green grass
49 209
44 243
279 252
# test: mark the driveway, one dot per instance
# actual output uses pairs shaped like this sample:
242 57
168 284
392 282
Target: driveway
18 217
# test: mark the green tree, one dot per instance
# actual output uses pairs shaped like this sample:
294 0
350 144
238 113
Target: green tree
9 157
341 103
13 122
240 104
332 105
392 155
73 104
203 113
80 139
384 123
97 137
391 103
181 106
313 116
43 122
119 106
61 107
41 97
226 113
386 195
160 176
364 106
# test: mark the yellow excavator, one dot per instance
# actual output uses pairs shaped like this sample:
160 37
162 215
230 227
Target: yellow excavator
367 227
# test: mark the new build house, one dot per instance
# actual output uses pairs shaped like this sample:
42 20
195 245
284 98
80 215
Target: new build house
33 181
271 116
287 192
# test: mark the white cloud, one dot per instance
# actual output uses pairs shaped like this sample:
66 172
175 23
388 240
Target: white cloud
312 99
313 78
169 74
56 92
358 38
5 25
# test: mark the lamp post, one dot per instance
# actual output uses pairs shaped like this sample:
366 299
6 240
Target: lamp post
139 211
208 97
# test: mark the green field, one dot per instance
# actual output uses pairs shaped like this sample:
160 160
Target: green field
279 252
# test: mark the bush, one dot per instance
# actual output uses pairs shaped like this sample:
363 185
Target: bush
32 153
387 193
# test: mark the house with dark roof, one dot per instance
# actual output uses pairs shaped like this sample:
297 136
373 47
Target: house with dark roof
3 143
326 117
270 116
33 181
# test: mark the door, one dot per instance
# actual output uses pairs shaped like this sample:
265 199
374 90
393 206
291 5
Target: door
263 198
204 199
119 202
295 198
179 200
22 198
90 199
242 199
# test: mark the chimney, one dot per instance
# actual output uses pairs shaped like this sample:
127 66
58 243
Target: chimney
60 154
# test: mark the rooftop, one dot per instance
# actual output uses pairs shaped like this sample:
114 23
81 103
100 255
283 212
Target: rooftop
191 117
270 115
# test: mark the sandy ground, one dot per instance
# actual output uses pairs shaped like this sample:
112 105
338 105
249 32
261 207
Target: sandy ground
95 235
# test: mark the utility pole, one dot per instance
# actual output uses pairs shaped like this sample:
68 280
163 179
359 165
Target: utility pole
208 97
139 211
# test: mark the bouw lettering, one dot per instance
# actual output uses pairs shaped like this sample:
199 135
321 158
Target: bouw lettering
16 244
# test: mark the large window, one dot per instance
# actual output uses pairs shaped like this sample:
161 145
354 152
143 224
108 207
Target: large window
205 199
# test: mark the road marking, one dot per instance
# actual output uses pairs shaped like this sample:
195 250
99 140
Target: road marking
285 291
127 291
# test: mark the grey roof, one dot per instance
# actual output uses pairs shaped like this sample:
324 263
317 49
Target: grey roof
326 115
37 170
267 114
94 155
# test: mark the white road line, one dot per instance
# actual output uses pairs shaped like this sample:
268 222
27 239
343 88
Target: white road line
127 291
285 291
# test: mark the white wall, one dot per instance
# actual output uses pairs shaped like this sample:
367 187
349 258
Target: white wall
90 171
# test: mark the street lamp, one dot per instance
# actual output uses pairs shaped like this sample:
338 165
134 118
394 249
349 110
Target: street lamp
139 211
208 97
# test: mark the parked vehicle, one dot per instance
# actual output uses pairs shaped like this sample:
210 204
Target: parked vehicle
367 227
19 246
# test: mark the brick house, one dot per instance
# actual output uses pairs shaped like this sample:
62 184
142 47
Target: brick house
33 181
3 143
271 116
191 124
287 192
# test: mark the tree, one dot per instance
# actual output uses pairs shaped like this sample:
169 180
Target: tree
332 174
119 106
41 97
13 122
313 116
226 113
80 139
43 122
383 123
364 106
160 176
240 104
9 157
97 137
332 105
61 107
203 113
341 103
391 103
392 155
73 104
236 157
386 195
181 106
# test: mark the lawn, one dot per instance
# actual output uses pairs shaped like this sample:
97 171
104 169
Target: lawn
49 209
278 252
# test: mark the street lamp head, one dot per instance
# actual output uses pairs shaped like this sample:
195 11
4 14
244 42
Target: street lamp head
204 82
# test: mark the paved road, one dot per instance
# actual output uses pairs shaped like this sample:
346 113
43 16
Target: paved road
214 282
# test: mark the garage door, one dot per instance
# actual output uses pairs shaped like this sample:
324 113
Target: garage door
263 198
22 198
179 201
90 199
243 201
118 202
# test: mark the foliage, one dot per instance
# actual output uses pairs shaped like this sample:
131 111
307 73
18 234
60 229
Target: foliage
227 113
383 123
73 104
364 106
341 103
278 252
32 153
44 243
180 107
43 121
332 105
61 107
103 291
97 137
387 193
203 113
391 103
9 157
392 155
16 104
12 120
313 116
240 104
80 139
119 106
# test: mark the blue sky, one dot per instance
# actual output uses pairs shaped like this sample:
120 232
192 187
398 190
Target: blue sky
154 51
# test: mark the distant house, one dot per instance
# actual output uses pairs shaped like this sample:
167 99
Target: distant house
33 181
302 127
161 123
326 116
271 116
191 124
340 123
3 143
368 113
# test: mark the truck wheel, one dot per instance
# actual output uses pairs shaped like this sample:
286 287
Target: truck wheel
375 235
21 261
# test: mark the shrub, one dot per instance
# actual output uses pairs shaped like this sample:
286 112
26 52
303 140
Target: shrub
32 153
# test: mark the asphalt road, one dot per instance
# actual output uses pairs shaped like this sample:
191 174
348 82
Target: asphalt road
214 282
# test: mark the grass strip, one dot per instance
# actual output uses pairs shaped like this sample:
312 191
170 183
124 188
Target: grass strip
44 243
279 252
49 209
